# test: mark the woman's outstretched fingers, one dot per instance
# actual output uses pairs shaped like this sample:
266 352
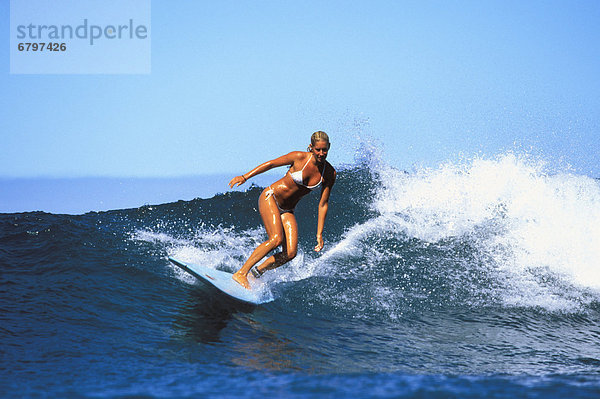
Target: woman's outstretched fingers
236 181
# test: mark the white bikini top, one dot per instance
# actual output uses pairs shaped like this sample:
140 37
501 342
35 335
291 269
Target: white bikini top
297 176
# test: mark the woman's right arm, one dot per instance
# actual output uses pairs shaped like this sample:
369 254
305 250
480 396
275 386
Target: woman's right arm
287 159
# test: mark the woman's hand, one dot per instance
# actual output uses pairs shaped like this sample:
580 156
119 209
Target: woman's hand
237 181
320 244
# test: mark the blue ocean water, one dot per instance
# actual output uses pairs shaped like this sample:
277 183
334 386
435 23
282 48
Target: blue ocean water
472 280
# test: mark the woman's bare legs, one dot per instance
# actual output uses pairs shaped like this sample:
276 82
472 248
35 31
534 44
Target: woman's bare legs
289 245
272 220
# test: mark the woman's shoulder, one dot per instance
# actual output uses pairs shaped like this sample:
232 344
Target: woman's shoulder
298 155
290 158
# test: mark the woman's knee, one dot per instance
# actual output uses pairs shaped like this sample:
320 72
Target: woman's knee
291 253
275 240
282 258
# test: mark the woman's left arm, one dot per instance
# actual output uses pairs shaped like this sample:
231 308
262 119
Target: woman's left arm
323 206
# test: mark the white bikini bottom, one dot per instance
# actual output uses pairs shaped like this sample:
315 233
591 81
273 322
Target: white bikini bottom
271 193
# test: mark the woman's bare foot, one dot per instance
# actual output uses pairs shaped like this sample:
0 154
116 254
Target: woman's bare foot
241 280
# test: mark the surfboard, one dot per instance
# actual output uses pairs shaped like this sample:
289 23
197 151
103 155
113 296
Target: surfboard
222 281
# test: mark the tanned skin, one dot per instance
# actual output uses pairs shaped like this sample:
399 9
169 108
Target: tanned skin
282 228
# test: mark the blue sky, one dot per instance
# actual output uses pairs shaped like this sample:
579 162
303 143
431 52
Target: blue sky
235 83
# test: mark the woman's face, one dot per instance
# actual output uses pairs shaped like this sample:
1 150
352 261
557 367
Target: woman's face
320 150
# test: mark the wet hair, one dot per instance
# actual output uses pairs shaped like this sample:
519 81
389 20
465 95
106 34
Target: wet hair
319 136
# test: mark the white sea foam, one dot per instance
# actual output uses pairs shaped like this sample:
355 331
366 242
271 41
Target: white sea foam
538 233
216 247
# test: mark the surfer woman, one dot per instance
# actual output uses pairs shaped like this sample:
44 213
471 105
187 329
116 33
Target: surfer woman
308 171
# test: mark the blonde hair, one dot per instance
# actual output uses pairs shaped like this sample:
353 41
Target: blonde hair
319 136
